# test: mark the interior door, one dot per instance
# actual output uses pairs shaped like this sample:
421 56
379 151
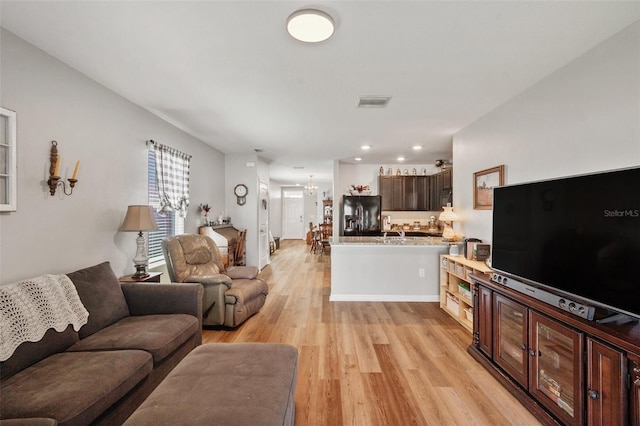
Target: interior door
293 210
263 227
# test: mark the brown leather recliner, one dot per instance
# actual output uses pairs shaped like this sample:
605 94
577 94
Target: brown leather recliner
230 295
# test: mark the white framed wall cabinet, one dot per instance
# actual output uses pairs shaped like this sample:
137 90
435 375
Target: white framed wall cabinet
8 157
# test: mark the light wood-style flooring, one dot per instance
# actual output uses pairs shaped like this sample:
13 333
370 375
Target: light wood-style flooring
371 363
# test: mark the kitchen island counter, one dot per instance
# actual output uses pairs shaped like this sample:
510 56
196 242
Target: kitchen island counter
391 269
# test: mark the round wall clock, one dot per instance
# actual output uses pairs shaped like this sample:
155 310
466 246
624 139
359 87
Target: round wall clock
241 193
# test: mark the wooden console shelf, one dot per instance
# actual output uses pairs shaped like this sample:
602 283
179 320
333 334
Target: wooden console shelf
565 369
456 287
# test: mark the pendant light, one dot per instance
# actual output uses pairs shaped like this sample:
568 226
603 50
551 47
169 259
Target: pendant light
310 188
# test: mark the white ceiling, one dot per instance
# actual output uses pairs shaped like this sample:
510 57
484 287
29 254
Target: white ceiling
227 72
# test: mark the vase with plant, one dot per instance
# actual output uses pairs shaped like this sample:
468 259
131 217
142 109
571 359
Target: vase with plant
204 212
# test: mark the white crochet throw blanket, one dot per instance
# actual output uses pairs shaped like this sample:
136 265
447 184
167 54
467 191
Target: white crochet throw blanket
30 307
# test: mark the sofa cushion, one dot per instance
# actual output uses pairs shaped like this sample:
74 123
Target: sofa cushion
100 293
28 353
73 388
159 335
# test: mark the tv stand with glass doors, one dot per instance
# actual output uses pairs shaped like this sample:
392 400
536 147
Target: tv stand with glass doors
565 369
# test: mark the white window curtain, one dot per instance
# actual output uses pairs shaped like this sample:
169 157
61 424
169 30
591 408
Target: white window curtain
172 175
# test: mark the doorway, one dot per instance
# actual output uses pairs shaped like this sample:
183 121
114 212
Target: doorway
292 214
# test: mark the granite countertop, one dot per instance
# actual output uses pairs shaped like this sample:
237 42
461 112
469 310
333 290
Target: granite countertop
416 232
389 240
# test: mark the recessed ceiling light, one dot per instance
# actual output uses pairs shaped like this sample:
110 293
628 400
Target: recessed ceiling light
400 158
365 147
358 158
417 147
310 25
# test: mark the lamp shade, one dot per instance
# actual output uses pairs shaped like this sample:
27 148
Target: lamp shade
139 219
448 215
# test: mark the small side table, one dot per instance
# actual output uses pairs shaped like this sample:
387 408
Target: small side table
154 277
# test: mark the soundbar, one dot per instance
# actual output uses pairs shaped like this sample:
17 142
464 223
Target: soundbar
576 308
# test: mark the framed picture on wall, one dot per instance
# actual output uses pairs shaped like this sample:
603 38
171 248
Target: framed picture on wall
483 183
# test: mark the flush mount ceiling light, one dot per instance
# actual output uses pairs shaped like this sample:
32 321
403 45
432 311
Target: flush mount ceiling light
310 25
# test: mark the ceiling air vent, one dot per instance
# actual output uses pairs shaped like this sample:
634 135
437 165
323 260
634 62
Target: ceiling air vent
374 101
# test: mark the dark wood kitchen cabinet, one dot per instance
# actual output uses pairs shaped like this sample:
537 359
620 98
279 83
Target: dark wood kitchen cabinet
422 193
564 369
447 178
441 189
410 193
416 193
434 195
392 192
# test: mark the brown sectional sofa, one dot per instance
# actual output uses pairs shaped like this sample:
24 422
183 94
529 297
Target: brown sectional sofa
135 335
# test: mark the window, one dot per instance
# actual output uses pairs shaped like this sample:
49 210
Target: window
169 224
8 171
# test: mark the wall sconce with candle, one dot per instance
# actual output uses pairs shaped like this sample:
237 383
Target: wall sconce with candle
54 168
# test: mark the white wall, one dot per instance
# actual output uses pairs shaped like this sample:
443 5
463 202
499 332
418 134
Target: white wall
249 169
243 169
107 134
583 118
275 209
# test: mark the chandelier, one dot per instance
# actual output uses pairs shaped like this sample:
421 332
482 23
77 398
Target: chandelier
310 188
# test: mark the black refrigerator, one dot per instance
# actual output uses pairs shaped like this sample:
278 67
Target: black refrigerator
361 214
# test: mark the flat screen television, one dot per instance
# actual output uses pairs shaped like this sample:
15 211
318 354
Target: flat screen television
577 236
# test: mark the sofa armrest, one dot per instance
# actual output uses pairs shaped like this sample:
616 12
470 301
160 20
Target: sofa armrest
247 272
150 299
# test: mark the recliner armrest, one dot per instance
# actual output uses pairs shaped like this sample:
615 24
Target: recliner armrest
247 272
211 279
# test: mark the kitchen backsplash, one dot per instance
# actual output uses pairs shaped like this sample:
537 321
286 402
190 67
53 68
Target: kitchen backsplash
402 217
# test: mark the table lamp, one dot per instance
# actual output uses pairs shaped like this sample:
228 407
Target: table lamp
448 216
139 219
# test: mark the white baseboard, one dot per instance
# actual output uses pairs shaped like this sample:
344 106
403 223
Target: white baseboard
383 298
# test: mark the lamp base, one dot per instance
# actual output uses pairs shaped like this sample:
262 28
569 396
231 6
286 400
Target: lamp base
141 272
